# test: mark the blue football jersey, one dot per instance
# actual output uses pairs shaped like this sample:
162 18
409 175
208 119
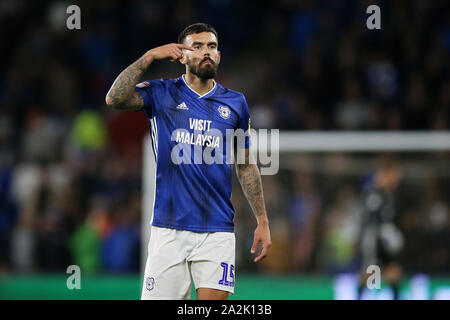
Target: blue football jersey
193 171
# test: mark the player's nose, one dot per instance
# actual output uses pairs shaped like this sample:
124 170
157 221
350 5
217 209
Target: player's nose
207 50
206 55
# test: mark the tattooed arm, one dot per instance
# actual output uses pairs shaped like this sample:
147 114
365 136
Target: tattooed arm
122 94
250 180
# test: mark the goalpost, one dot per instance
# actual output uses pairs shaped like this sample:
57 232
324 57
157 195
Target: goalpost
296 142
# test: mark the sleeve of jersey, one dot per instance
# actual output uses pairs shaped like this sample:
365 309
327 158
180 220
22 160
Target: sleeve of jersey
145 90
244 124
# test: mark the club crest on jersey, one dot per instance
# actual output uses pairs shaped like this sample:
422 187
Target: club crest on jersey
224 112
150 283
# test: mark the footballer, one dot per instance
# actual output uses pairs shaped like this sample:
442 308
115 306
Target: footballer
192 230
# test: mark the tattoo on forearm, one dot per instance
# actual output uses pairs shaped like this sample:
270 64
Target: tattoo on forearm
250 180
122 94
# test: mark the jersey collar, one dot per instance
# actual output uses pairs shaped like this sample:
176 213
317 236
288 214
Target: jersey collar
206 95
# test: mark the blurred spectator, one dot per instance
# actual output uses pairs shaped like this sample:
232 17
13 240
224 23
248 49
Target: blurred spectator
121 247
8 214
304 211
351 111
85 241
23 244
41 138
380 240
340 234
275 201
416 104
89 132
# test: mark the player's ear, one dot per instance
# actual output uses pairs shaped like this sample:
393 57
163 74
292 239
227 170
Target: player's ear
218 57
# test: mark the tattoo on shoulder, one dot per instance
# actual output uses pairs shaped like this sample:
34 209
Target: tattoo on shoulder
122 94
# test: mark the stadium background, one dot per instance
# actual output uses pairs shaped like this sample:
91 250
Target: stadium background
71 169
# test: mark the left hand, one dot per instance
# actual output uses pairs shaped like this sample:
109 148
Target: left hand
262 235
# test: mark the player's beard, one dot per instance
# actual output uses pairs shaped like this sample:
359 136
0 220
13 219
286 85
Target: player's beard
204 71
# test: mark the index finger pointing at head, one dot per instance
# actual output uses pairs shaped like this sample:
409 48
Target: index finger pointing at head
184 46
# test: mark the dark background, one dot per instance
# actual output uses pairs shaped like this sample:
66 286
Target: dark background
71 169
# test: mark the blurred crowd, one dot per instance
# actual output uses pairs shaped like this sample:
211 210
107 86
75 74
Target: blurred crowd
71 169
317 204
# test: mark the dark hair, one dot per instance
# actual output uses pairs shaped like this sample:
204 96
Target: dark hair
196 28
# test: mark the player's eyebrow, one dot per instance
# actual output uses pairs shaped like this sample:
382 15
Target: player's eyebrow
201 43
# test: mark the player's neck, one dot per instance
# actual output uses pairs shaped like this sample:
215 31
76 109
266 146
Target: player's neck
201 86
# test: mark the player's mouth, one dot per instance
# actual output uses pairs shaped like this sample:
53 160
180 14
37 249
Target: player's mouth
207 61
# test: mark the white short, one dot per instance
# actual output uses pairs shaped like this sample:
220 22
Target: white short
177 256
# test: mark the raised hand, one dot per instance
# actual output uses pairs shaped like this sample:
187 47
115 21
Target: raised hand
172 51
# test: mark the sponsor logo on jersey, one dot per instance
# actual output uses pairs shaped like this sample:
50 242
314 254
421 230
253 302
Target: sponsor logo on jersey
182 106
